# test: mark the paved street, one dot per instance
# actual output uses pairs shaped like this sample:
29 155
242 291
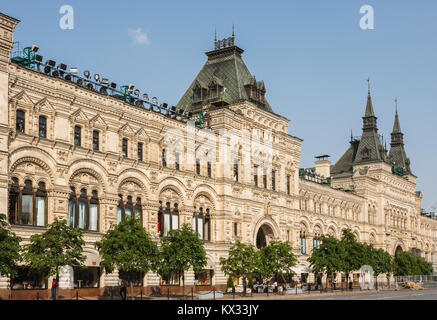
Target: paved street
430 294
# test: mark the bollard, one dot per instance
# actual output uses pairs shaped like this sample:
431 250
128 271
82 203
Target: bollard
112 292
233 292
214 292
309 289
192 293
267 290
168 293
77 294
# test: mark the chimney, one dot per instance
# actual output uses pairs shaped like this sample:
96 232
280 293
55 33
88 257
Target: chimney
323 165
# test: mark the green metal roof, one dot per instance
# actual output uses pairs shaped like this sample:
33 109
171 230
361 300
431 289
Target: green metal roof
226 67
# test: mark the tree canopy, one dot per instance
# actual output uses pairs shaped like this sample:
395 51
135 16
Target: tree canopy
59 246
181 250
408 264
242 261
353 253
9 249
277 258
328 257
128 247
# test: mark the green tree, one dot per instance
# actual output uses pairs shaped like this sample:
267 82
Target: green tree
181 250
328 258
9 249
242 261
277 259
128 248
406 264
354 254
59 246
380 261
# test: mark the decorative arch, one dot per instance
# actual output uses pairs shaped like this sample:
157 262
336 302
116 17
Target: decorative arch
267 221
31 174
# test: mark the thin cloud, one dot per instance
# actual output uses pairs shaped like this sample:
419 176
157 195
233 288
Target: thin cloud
138 36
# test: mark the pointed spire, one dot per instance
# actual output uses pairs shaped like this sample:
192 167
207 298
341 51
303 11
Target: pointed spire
369 105
215 35
233 31
396 125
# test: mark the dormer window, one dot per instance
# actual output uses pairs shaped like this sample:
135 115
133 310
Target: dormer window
366 154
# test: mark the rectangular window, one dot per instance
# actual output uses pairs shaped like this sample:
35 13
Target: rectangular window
77 135
82 214
95 140
93 216
273 180
203 278
26 209
40 203
164 158
236 170
288 185
177 164
197 166
209 168
42 127
140 151
88 277
124 147
136 278
20 121
27 280
302 245
255 175
71 213
235 229
265 178
171 279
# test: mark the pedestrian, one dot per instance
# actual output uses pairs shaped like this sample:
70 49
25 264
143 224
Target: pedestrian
54 285
123 289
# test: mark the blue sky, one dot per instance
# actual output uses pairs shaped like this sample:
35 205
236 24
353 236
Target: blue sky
312 55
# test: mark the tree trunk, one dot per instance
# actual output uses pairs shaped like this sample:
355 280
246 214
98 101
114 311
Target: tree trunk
183 284
132 290
57 284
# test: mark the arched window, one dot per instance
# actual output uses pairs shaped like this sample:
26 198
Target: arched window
201 223
83 210
128 208
168 219
27 206
302 238
20 121
42 127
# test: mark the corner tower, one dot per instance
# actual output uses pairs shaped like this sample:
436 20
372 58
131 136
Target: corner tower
397 155
370 148
223 80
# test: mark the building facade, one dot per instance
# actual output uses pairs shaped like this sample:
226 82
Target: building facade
220 160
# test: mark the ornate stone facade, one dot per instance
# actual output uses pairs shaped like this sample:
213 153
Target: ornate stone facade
384 208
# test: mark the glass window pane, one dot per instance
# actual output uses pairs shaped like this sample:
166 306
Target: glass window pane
40 210
119 214
128 212
175 222
206 230
137 213
71 213
93 216
82 214
200 227
166 223
26 209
